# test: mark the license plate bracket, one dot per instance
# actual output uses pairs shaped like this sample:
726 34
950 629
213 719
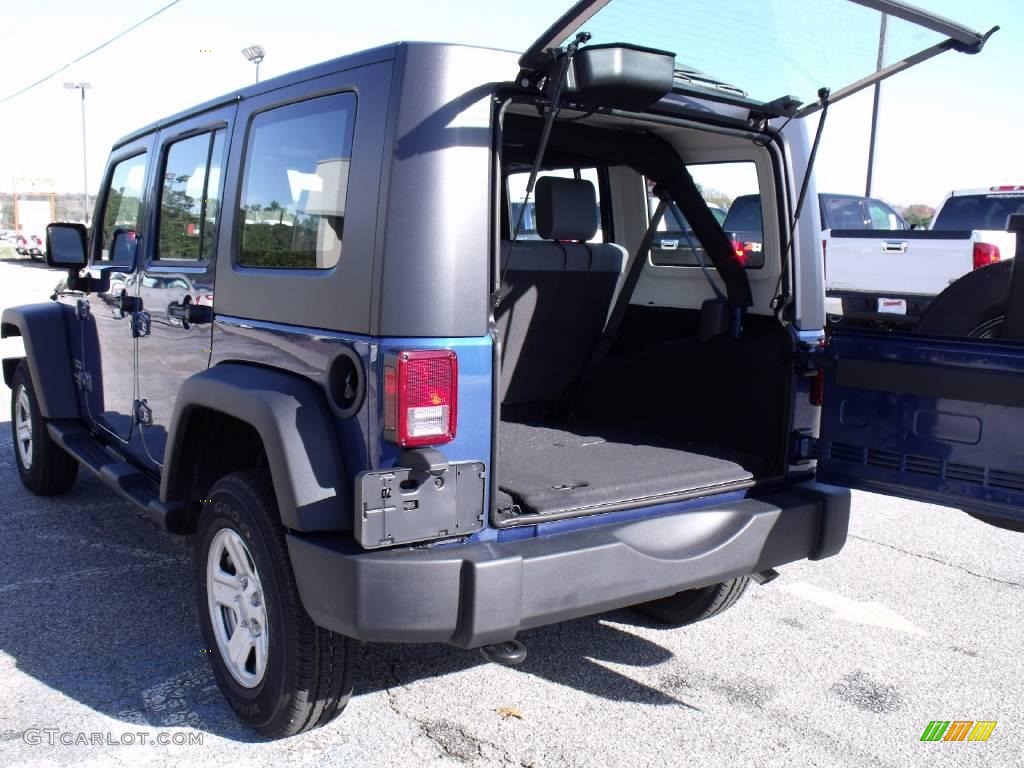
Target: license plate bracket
402 506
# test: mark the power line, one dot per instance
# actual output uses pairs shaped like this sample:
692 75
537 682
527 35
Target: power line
23 19
85 55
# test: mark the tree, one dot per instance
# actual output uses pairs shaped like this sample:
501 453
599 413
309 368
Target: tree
918 215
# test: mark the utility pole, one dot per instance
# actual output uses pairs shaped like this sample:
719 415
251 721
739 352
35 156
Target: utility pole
85 173
874 107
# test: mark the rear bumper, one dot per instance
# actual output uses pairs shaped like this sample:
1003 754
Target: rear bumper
475 594
864 307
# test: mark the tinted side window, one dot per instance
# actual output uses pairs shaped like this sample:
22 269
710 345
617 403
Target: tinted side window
122 207
188 200
845 213
882 216
295 184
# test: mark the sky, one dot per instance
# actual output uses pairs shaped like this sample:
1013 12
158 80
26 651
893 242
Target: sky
951 123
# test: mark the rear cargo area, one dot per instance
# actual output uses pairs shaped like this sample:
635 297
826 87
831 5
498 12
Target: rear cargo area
670 410
666 416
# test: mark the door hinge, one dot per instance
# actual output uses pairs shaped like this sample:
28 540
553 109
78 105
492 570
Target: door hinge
82 309
143 413
140 324
803 446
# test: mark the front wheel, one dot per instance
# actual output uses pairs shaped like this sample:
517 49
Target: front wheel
44 467
280 672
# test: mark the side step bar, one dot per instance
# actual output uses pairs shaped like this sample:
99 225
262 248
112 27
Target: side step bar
130 482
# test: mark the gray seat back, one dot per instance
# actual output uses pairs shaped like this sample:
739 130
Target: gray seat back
555 295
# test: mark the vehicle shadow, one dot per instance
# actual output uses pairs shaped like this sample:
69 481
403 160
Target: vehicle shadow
97 605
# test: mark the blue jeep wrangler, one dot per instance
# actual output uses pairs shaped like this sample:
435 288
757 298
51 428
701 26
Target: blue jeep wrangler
310 329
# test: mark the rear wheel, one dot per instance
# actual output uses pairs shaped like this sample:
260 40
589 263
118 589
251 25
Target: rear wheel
973 307
693 605
44 467
280 672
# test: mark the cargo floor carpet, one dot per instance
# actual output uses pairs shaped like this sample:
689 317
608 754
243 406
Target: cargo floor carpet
547 469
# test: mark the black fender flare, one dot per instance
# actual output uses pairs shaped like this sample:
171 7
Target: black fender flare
292 418
44 330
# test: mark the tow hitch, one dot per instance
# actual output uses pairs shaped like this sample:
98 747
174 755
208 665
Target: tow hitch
510 653
763 577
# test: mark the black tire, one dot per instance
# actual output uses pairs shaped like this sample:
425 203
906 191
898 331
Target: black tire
49 471
693 605
973 305
306 682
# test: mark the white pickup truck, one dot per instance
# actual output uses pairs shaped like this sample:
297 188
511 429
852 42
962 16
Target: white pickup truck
893 275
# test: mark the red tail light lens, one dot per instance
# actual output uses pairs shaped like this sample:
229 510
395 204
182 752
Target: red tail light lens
740 249
985 254
420 397
818 388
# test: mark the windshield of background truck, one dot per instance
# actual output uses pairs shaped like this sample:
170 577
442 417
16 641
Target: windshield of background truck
979 211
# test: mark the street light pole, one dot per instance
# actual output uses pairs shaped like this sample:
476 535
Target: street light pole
255 54
85 173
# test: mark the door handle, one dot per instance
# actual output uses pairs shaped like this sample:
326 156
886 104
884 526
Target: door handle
190 314
894 246
669 245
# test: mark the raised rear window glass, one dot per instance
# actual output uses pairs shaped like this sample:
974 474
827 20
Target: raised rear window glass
292 211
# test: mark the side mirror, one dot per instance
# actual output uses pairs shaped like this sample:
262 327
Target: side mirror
65 246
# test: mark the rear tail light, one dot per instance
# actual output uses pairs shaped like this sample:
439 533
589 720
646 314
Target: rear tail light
420 397
985 254
740 250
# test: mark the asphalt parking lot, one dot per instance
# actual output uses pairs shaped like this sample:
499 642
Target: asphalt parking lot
837 663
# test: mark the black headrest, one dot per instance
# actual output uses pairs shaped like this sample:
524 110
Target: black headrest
566 209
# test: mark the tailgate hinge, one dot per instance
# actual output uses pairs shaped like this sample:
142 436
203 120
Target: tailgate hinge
803 446
810 360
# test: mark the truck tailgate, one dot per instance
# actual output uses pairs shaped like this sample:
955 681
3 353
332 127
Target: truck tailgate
901 262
